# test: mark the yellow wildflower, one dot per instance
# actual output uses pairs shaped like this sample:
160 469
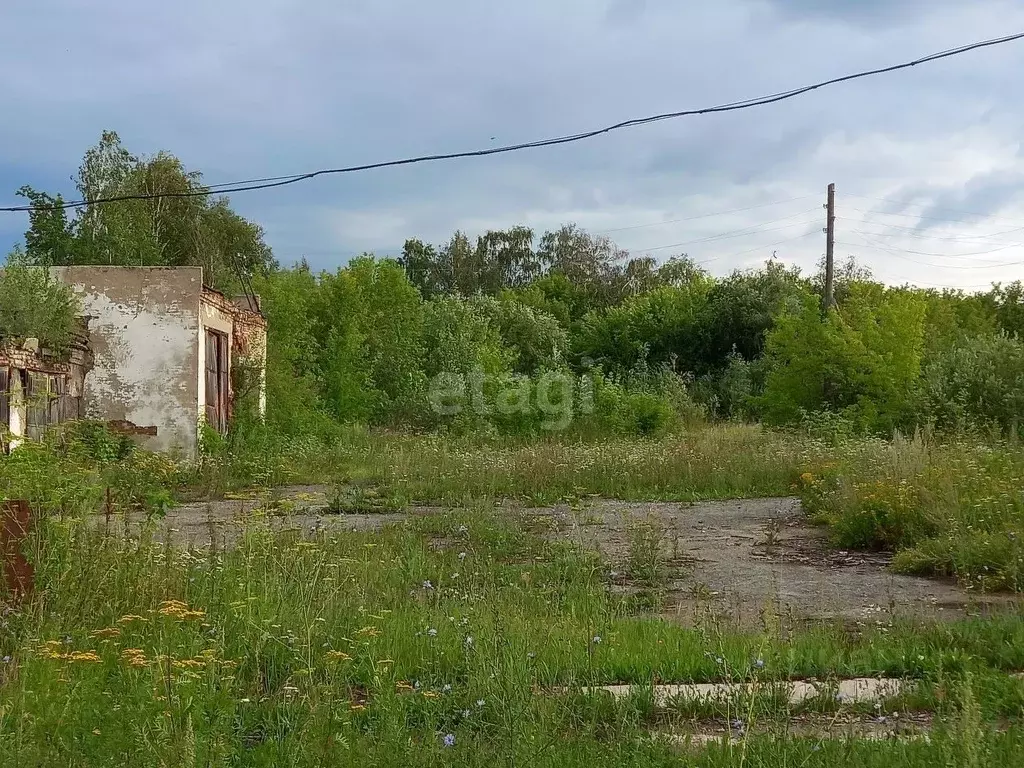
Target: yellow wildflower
807 478
51 650
179 610
128 617
108 632
337 656
369 632
134 657
188 663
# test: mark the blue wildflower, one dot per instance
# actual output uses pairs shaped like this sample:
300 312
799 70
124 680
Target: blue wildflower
449 740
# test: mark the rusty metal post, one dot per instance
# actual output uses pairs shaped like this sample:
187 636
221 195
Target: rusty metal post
107 512
15 525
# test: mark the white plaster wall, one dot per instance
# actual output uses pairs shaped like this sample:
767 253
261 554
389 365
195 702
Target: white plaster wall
145 337
18 409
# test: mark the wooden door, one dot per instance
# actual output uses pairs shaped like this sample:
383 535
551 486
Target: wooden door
217 380
5 399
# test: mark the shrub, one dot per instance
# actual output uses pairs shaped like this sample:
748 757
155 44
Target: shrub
865 360
618 410
536 339
32 305
81 467
974 384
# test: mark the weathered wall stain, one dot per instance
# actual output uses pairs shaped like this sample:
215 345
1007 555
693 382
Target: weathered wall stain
144 332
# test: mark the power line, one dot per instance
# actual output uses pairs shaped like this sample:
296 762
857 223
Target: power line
703 215
869 243
914 233
756 248
908 280
923 205
962 256
272 182
944 219
752 230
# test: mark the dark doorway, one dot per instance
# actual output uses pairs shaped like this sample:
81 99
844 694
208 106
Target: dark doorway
217 380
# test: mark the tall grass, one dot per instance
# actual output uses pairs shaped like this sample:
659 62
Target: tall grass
951 509
725 461
371 648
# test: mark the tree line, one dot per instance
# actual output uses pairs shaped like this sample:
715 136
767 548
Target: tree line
647 345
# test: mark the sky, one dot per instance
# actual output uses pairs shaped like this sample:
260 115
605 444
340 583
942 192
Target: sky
928 163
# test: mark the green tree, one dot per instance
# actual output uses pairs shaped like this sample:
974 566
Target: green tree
556 295
1009 307
953 317
975 383
593 264
32 305
652 329
741 310
50 239
536 339
845 274
370 318
864 360
180 224
422 266
295 404
459 337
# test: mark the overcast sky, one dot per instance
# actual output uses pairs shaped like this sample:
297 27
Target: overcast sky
928 162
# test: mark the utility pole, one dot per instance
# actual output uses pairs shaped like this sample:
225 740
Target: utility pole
830 245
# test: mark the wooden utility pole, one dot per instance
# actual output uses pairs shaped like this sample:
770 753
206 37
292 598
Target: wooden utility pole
830 246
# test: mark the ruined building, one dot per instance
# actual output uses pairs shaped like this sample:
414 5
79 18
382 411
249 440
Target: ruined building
159 355
39 387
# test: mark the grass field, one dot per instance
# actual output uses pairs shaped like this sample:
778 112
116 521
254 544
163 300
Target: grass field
463 638
951 509
371 648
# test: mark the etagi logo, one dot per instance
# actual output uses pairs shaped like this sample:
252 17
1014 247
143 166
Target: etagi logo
558 396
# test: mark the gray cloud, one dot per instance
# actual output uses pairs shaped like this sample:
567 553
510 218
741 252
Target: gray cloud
862 12
297 88
625 11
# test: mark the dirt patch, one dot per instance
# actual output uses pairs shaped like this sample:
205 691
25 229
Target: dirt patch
858 690
907 726
302 508
745 556
740 561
